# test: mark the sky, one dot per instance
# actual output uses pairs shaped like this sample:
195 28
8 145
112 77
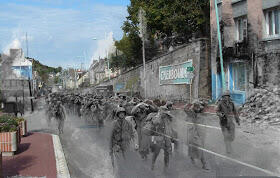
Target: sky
62 32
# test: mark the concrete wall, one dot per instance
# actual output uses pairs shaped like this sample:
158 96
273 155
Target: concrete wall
239 8
198 51
270 3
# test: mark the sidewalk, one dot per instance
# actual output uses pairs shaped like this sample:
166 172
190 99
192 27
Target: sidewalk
39 154
36 157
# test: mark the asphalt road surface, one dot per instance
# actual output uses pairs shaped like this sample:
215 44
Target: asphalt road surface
87 153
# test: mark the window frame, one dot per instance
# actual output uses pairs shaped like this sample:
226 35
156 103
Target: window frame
234 85
267 29
240 19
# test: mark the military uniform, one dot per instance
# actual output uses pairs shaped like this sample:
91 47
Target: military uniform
196 134
122 135
60 115
120 141
140 113
225 111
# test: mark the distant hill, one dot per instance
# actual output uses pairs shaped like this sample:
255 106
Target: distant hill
44 70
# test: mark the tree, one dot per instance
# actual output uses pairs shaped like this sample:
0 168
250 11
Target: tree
168 16
186 18
131 56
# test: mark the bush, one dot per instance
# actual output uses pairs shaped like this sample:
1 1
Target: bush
8 123
19 119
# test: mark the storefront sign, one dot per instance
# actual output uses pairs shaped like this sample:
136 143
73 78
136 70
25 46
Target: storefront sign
176 74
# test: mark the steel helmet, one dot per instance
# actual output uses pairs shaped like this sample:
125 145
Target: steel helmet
195 102
169 103
119 110
226 93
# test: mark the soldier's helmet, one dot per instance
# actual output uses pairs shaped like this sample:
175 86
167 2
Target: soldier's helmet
195 102
147 101
169 104
119 110
196 106
226 93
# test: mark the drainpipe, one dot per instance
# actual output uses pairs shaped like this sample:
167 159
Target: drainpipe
220 47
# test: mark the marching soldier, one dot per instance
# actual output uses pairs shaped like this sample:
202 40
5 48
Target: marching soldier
121 137
225 109
60 115
196 134
140 112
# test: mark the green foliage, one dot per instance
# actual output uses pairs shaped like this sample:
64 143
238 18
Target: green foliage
131 56
167 16
8 123
44 70
183 17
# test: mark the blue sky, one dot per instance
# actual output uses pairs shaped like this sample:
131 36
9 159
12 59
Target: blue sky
60 32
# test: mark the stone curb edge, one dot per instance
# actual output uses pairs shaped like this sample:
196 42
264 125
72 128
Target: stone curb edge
61 164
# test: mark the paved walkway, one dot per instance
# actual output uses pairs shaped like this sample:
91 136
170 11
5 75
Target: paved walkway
35 157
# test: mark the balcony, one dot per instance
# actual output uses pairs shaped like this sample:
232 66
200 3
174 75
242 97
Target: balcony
241 49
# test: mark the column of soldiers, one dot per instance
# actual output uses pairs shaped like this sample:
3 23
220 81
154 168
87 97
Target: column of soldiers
141 125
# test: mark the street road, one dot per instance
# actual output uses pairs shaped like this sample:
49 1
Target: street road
86 151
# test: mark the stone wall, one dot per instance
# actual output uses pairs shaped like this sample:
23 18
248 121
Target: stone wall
197 51
268 58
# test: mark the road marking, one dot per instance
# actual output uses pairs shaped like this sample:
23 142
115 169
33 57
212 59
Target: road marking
217 154
61 164
208 126
239 162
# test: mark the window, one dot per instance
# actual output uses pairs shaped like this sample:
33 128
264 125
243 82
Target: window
239 76
272 23
241 28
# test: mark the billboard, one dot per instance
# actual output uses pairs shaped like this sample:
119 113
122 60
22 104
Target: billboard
176 74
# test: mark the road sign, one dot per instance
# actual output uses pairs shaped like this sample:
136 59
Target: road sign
176 74
190 69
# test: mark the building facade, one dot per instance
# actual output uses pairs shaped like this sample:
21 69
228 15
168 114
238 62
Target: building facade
250 44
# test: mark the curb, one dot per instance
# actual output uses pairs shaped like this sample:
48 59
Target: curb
61 164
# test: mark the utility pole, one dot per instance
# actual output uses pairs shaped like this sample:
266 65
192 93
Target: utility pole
142 21
220 47
107 56
75 79
30 94
26 40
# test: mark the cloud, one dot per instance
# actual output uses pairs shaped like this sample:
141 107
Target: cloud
15 44
57 35
104 46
